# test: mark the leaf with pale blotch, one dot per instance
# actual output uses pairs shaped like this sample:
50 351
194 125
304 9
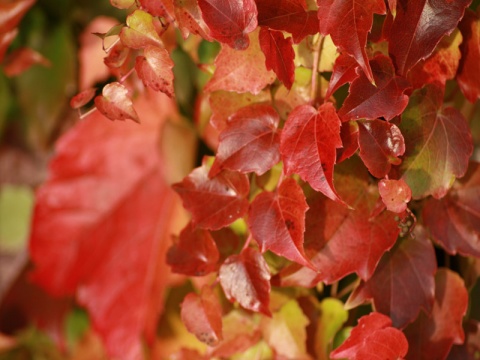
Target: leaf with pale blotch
286 331
403 282
115 103
202 316
241 71
245 278
141 31
438 144
432 336
395 194
331 319
308 146
277 221
155 69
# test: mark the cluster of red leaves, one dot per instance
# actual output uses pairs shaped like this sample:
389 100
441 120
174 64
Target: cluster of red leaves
284 177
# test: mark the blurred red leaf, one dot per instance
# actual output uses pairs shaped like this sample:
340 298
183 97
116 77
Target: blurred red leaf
438 144
141 31
250 130
12 12
115 103
194 253
403 282
5 41
468 76
230 21
288 15
105 214
279 55
432 336
241 71
308 146
21 60
202 316
155 69
454 221
373 337
348 22
277 221
245 278
395 194
384 99
122 4
82 98
381 143
418 27
214 202
344 71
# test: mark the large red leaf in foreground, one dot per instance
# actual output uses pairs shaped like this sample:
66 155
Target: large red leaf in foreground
432 336
230 21
403 282
101 222
419 26
373 338
348 23
454 221
308 146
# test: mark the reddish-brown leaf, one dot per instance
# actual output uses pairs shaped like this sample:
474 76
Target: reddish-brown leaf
141 30
245 278
103 216
155 69
381 143
214 202
468 76
21 60
288 15
163 8
395 194
344 71
373 338
12 12
454 221
419 26
308 146
82 98
432 336
230 21
194 253
384 99
190 19
202 316
251 130
279 55
438 144
349 135
403 282
241 71
115 103
277 221
348 22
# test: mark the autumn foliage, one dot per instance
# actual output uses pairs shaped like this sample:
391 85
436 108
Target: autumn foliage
290 179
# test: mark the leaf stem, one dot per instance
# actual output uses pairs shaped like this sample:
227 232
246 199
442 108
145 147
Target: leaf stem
347 289
124 77
88 113
314 86
247 243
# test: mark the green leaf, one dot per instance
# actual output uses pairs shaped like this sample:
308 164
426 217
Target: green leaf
332 317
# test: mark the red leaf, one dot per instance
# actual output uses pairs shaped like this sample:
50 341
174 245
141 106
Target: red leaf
381 143
202 316
468 76
141 31
384 99
373 338
288 15
162 8
308 146
190 19
438 144
344 71
277 221
21 60
115 103
214 202
395 194
230 21
82 98
194 253
251 130
155 69
12 12
5 41
349 135
454 221
419 26
122 4
245 278
403 282
348 22
241 71
432 336
279 55
98 220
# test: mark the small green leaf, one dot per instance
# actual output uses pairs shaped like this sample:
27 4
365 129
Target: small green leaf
332 317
